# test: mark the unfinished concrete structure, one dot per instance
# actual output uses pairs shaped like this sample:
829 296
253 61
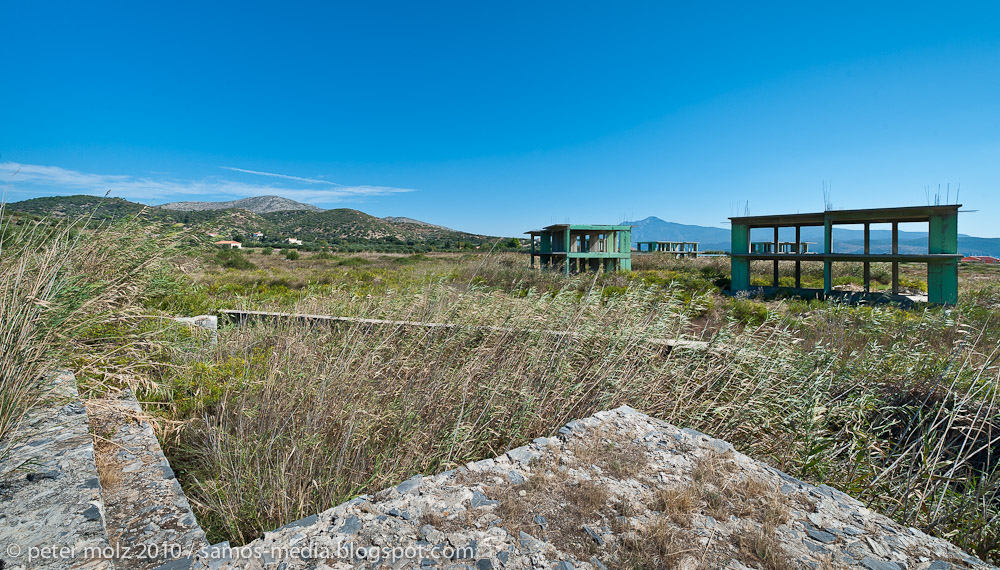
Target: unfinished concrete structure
781 246
941 257
579 248
675 248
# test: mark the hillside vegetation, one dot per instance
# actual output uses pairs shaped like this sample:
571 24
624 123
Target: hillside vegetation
355 226
342 228
78 207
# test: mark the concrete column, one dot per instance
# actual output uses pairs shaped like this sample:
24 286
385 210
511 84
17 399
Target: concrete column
775 252
625 264
740 267
567 246
895 264
827 249
867 272
798 264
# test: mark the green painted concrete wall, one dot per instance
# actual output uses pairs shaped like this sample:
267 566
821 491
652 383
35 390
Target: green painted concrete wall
942 278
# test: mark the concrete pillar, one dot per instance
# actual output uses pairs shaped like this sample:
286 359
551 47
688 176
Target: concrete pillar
740 267
895 264
775 252
827 248
567 246
867 271
798 264
625 264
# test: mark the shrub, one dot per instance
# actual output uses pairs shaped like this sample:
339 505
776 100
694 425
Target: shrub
415 258
291 254
747 311
233 259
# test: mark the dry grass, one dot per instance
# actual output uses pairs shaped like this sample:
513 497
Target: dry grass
716 487
614 456
661 544
56 283
760 547
677 503
109 470
565 504
375 404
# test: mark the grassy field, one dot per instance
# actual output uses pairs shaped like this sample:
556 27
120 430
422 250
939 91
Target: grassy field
276 422
897 407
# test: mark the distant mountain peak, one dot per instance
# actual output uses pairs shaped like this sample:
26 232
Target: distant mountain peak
653 228
255 204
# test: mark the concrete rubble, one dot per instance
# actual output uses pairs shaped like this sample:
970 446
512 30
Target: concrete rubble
619 489
208 322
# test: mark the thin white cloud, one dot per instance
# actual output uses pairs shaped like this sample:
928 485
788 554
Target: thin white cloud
41 179
285 176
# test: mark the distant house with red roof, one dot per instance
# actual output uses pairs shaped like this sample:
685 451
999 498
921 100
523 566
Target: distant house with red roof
981 259
230 244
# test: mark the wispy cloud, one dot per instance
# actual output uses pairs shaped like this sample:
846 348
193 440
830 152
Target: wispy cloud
34 179
274 175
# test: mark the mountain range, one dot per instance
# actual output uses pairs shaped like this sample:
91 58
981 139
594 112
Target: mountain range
845 240
273 216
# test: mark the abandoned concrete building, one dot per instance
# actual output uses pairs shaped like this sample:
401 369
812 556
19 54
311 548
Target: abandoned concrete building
579 248
678 249
941 256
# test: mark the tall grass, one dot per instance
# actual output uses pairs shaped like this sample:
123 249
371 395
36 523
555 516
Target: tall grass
285 421
277 422
57 280
895 407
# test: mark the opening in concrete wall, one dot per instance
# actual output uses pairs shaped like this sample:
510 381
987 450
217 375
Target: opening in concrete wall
913 238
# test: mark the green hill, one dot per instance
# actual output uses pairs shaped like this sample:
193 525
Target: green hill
78 206
347 226
341 227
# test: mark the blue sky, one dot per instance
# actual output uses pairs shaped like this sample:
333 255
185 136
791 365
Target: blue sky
501 117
